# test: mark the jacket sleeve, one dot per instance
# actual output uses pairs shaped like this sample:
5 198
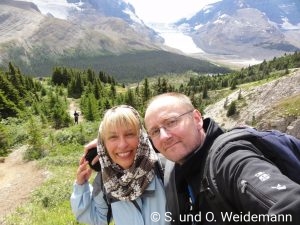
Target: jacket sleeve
255 188
88 208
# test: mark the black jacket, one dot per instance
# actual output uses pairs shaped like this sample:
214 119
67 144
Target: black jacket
256 192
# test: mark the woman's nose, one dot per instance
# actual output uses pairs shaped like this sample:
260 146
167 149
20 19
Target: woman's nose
122 142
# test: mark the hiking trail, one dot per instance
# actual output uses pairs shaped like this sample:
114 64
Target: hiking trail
18 179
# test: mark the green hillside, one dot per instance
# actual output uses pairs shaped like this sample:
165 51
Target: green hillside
127 68
36 113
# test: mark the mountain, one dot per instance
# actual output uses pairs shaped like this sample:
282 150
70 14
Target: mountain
89 21
259 29
98 34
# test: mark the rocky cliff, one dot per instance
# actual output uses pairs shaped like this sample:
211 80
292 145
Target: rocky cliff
272 105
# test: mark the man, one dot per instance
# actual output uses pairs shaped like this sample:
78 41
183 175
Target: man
76 115
178 131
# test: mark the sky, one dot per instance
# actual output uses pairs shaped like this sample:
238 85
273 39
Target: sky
167 11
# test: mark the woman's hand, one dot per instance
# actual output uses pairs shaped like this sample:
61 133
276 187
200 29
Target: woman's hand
84 172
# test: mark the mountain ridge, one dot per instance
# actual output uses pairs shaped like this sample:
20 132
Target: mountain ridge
91 29
37 43
246 28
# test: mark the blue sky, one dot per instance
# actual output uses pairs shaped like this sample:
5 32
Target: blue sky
166 11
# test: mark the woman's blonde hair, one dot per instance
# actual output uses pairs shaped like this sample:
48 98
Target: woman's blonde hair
119 116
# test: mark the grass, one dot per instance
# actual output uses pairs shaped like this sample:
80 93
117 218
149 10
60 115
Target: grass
49 204
288 107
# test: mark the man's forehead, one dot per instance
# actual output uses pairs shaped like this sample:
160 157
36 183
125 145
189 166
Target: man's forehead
163 101
162 109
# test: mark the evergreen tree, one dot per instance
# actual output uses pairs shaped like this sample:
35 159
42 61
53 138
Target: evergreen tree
130 98
205 92
9 90
16 80
89 106
233 84
113 91
60 117
35 140
164 86
90 76
7 107
60 76
146 91
103 77
98 89
4 140
231 109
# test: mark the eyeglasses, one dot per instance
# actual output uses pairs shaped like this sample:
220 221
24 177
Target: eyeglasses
167 124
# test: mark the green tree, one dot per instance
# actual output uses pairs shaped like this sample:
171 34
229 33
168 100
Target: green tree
113 91
89 107
231 109
35 140
130 98
233 84
7 107
146 91
4 140
10 92
205 92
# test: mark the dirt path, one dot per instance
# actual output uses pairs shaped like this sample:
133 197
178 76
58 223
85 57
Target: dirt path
17 180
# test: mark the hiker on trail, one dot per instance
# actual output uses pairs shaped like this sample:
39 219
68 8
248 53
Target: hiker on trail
76 115
129 187
252 189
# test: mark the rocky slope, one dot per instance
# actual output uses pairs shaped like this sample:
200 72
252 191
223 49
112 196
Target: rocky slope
261 103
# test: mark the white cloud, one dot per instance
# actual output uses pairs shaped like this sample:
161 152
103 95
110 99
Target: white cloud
167 11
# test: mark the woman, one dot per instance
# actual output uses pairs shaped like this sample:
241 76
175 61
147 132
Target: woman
132 188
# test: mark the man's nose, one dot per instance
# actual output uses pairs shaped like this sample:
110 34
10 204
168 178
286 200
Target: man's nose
163 133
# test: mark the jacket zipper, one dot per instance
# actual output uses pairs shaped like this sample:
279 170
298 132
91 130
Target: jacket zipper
247 188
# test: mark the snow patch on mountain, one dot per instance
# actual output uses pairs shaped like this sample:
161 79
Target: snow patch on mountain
175 38
133 16
59 8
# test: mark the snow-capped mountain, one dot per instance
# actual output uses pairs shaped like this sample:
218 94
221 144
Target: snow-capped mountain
38 32
63 9
41 33
81 10
73 21
257 29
